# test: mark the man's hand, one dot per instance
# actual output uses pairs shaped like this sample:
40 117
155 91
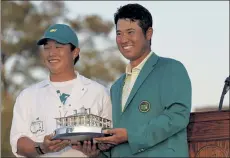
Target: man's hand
119 135
53 145
105 147
87 148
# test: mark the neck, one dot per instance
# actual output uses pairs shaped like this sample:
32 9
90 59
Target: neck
62 77
136 62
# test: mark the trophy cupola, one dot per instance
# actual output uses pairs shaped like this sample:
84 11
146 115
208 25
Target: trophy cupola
83 111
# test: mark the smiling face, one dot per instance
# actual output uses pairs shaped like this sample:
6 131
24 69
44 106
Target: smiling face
131 41
59 58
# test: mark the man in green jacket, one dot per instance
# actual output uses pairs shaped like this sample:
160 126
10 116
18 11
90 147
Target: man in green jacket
151 102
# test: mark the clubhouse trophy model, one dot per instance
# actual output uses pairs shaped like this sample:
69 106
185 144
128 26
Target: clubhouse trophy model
81 126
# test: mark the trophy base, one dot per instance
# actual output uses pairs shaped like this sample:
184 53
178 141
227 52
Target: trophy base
76 137
78 133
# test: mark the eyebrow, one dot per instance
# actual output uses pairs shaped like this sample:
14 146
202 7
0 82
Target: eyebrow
130 29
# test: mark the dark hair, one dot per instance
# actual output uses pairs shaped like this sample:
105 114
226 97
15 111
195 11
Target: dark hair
72 47
135 12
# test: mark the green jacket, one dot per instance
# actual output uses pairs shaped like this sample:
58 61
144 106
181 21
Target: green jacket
157 111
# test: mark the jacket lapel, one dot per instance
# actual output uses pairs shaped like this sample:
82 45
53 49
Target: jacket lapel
145 71
116 99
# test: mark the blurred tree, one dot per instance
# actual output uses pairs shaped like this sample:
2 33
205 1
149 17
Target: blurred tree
23 23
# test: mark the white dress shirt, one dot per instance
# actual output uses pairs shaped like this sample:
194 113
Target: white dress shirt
37 107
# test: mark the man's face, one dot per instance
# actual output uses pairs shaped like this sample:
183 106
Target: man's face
57 57
130 39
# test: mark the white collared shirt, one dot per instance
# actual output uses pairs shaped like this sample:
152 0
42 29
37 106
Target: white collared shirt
130 79
37 107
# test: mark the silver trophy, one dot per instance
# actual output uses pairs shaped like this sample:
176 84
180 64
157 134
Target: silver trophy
81 126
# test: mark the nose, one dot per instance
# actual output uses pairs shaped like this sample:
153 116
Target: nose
124 39
52 51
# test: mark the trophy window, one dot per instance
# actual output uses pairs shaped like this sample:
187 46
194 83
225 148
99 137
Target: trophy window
81 118
87 120
75 121
94 121
66 121
69 121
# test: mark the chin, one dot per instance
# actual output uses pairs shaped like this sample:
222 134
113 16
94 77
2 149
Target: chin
129 57
54 70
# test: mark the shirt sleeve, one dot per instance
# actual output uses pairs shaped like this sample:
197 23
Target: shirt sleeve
106 111
20 123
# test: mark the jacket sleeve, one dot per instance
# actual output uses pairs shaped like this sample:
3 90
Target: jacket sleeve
175 92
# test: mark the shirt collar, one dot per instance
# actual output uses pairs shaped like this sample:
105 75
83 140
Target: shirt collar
138 67
81 79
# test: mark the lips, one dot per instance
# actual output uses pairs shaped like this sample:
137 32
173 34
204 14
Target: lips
127 47
53 60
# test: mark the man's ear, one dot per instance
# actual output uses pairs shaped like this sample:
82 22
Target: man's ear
76 52
149 33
